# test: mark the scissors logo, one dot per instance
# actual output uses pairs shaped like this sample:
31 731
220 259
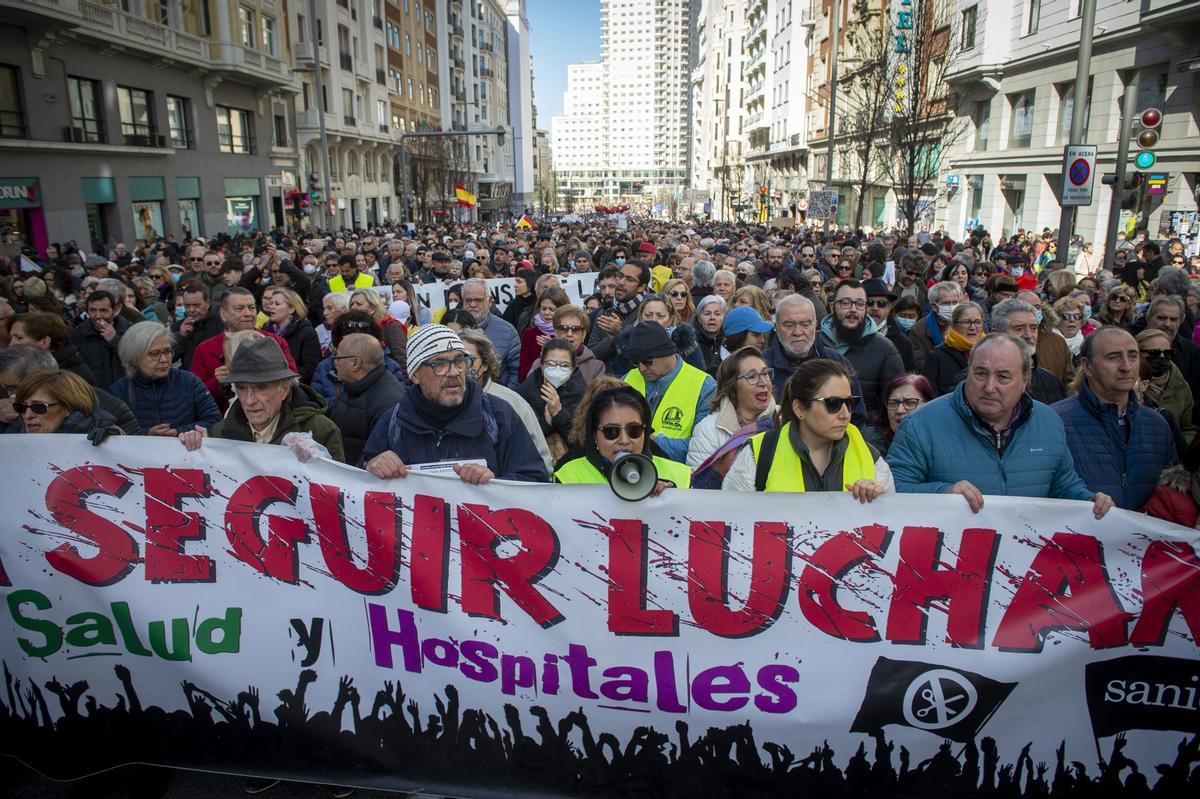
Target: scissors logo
938 698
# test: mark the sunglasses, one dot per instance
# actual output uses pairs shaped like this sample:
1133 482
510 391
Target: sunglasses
878 303
568 328
1147 353
835 404
677 294
38 408
1070 316
1119 298
612 432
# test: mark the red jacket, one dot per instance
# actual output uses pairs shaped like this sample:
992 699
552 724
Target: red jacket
1172 499
210 354
531 351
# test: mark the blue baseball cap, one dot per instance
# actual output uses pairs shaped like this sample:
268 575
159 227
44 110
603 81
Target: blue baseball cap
744 318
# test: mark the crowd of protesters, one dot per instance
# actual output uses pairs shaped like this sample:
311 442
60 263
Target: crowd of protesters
736 357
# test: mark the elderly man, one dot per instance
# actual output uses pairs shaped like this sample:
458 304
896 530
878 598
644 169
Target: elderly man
1119 445
98 337
445 417
1019 319
369 391
272 407
930 329
879 306
989 437
854 334
238 312
680 395
477 301
796 342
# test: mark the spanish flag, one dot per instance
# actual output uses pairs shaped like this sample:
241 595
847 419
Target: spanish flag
525 221
463 196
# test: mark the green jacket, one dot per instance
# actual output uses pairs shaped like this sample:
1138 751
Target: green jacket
303 411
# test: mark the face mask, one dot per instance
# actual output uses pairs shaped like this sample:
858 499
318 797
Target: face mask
1087 312
180 312
310 269
1037 314
451 306
77 272
175 277
1017 271
557 375
905 324
1159 366
619 261
945 312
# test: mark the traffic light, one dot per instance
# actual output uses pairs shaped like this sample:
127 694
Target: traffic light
314 187
1148 136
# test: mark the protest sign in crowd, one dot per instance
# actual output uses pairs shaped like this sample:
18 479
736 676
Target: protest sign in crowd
734 358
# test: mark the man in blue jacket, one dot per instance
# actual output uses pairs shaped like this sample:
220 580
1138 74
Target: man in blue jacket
989 437
1120 445
446 417
477 301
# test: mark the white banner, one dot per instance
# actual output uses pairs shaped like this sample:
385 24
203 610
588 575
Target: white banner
433 295
236 610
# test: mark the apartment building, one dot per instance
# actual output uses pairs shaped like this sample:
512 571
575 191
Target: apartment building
718 149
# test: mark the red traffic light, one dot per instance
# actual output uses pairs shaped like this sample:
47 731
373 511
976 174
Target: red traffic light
1151 118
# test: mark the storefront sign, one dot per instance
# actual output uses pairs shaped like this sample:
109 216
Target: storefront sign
20 193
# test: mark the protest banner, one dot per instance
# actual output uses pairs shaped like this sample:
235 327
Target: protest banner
235 610
433 295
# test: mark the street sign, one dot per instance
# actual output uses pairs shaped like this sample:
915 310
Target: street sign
1079 173
1156 183
822 204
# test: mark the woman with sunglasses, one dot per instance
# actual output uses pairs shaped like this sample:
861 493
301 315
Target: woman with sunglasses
614 420
817 448
1119 309
945 362
743 401
680 296
900 398
1070 318
61 402
1162 384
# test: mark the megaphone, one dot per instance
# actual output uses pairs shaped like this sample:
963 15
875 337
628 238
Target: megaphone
632 476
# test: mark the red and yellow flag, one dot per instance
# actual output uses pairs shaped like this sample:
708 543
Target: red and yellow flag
464 197
525 221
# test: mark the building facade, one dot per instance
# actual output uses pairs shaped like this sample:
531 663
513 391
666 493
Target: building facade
636 99
718 149
520 107
1016 100
120 125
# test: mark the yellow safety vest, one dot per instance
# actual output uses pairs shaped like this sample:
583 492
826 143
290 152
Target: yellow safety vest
676 412
785 472
337 283
581 470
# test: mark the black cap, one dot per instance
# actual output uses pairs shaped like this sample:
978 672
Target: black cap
649 340
877 288
442 256
929 248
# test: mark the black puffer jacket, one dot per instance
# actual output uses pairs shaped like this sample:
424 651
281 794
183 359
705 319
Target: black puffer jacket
710 347
569 394
359 405
100 355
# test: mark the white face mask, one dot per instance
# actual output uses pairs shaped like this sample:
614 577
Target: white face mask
310 269
557 375
945 312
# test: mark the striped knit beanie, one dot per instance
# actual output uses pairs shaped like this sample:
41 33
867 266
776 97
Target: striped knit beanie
428 341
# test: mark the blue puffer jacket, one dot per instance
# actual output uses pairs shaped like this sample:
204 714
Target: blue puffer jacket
325 379
486 428
1127 469
180 399
942 443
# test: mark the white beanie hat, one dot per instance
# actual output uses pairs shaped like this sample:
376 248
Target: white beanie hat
431 340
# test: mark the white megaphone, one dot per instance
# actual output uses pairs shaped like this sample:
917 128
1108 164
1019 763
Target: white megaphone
632 476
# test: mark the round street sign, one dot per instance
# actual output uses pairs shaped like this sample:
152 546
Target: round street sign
1079 172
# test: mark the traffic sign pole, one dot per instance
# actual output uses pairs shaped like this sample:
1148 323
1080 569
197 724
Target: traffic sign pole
1087 23
1128 112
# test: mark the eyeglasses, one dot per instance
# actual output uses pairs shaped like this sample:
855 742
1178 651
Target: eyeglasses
157 275
38 408
156 355
679 294
761 376
909 403
612 432
835 404
970 322
846 304
442 368
1070 316
344 357
912 273
816 284
568 328
1147 353
844 267
474 300
1121 298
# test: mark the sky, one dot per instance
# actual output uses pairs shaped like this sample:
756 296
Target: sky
561 32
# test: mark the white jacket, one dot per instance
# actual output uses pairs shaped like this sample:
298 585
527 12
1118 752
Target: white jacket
527 416
715 429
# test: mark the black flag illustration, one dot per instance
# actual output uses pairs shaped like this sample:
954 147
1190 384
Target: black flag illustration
1143 692
950 703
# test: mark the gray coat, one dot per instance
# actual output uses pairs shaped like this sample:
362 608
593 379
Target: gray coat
508 346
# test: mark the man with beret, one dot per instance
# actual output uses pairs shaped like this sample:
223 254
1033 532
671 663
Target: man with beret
446 417
680 395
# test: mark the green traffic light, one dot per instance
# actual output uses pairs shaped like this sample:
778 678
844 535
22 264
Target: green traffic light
1145 159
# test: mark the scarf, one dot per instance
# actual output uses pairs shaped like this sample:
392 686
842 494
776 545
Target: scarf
958 341
1155 388
935 330
436 414
1075 342
282 330
544 327
628 306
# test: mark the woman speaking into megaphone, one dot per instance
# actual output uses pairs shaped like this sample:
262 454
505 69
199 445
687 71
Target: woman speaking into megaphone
612 425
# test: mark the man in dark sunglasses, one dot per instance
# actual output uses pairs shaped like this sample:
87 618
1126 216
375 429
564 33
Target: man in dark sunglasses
679 394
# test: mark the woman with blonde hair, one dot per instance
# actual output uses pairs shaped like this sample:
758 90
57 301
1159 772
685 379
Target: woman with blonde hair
678 294
53 401
395 335
754 297
1118 308
287 311
1070 316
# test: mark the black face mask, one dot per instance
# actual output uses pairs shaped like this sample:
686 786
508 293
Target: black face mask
1159 366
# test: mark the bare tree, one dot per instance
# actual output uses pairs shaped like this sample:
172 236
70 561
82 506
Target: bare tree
428 163
864 113
923 122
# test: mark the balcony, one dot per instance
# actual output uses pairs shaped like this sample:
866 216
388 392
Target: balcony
362 68
756 27
485 72
459 64
310 119
377 22
383 128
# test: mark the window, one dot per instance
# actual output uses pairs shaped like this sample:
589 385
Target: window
1021 131
407 44
348 106
233 131
246 24
381 114
281 131
969 18
1066 109
137 118
179 122
1033 15
983 119
85 109
268 35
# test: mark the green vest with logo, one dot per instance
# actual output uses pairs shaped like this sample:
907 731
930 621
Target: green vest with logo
581 470
676 412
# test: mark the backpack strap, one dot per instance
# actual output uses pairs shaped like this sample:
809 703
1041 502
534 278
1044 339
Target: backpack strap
766 454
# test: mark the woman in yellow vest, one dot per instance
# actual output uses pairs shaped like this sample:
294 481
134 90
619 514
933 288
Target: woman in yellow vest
817 449
615 419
